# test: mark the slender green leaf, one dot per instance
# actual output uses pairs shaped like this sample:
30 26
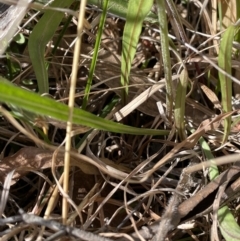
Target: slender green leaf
225 62
238 9
95 55
163 26
44 106
40 36
220 13
137 11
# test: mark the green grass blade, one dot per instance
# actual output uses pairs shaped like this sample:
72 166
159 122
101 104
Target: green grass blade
238 9
163 25
44 106
95 55
220 13
225 62
137 11
40 36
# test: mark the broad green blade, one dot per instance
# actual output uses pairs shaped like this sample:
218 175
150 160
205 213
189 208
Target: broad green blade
40 36
44 106
137 11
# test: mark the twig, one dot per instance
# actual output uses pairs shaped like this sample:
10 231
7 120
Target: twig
53 225
171 217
